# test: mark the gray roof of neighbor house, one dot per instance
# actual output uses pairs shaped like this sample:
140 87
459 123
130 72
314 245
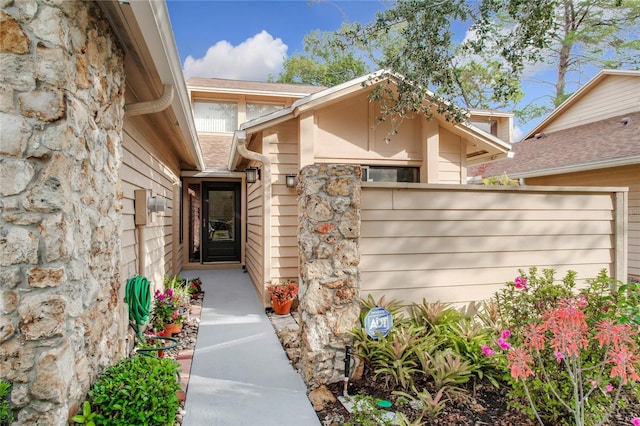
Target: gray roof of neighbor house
606 143
256 87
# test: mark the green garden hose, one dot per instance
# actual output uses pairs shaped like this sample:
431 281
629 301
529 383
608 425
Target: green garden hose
138 297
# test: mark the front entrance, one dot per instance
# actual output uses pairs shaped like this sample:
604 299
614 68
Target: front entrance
221 237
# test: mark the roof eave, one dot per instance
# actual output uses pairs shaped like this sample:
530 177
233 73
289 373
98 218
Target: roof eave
155 26
583 167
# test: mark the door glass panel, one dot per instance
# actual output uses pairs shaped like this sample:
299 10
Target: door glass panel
221 216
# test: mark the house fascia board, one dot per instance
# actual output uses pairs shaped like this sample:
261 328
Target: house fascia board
576 96
490 113
270 93
484 137
584 167
153 20
211 174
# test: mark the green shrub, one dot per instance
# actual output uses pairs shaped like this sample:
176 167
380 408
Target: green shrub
577 388
139 390
528 296
6 415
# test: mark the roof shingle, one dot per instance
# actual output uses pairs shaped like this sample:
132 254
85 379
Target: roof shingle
593 142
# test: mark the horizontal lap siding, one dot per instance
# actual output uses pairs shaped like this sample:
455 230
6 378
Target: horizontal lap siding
461 245
623 176
283 151
614 95
254 250
142 168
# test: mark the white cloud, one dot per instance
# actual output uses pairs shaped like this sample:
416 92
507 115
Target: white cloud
517 133
254 59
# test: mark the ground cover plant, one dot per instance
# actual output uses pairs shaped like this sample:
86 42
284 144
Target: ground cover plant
138 390
541 351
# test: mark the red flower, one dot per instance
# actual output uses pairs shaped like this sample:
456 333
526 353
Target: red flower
283 292
519 362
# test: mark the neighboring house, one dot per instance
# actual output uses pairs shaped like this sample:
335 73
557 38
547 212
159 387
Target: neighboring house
95 122
592 139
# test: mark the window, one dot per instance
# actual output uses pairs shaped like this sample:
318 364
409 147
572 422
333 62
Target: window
390 174
216 117
255 110
489 126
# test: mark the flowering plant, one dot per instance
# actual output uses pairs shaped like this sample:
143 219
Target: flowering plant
596 362
283 292
165 308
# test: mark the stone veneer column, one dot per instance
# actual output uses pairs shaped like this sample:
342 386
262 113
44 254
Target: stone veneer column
328 240
61 115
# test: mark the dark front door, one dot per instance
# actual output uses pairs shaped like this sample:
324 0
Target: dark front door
221 222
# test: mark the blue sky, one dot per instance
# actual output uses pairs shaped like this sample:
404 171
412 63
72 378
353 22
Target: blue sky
250 39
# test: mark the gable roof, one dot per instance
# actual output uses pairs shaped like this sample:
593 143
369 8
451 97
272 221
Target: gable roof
335 93
605 143
577 96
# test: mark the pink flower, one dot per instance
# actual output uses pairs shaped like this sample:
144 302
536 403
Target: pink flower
505 334
504 345
487 350
558 355
582 301
521 283
609 387
519 363
635 421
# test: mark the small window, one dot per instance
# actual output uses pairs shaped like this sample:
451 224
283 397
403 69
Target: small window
489 126
255 110
390 174
216 117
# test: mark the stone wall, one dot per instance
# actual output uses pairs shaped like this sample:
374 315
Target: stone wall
328 239
61 114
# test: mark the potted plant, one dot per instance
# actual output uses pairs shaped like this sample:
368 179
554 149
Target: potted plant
165 312
282 294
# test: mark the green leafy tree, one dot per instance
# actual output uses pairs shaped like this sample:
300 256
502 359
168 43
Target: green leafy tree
603 33
419 40
585 33
322 64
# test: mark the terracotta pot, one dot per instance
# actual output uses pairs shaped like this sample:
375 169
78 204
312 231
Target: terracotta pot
281 308
171 329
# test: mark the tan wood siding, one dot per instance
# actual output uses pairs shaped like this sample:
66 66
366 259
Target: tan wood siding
613 96
450 158
460 243
626 176
282 148
254 259
344 134
144 167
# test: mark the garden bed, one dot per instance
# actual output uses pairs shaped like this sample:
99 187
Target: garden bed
434 328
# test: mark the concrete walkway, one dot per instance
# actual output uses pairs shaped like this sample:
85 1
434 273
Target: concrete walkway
240 374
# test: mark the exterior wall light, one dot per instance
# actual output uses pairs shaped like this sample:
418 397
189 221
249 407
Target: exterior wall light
253 174
291 180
